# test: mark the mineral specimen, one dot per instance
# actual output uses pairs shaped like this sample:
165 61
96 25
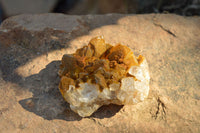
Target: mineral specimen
100 74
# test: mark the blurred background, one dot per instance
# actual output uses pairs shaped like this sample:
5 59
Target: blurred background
80 7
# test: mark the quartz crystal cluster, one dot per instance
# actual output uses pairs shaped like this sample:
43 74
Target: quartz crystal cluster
100 74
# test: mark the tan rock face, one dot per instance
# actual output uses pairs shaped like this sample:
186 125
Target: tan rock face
32 46
100 74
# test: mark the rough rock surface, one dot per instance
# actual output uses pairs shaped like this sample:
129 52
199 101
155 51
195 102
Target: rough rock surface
32 45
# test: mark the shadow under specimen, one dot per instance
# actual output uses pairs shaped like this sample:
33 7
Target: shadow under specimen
47 101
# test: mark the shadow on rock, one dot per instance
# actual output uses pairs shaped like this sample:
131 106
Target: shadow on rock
20 43
47 101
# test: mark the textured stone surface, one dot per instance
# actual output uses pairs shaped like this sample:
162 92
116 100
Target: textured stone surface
101 74
32 45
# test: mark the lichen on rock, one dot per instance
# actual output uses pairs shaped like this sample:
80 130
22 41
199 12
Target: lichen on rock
100 74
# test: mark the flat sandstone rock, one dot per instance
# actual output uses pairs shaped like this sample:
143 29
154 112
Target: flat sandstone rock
32 46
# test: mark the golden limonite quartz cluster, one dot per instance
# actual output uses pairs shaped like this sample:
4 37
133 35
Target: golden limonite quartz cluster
100 74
